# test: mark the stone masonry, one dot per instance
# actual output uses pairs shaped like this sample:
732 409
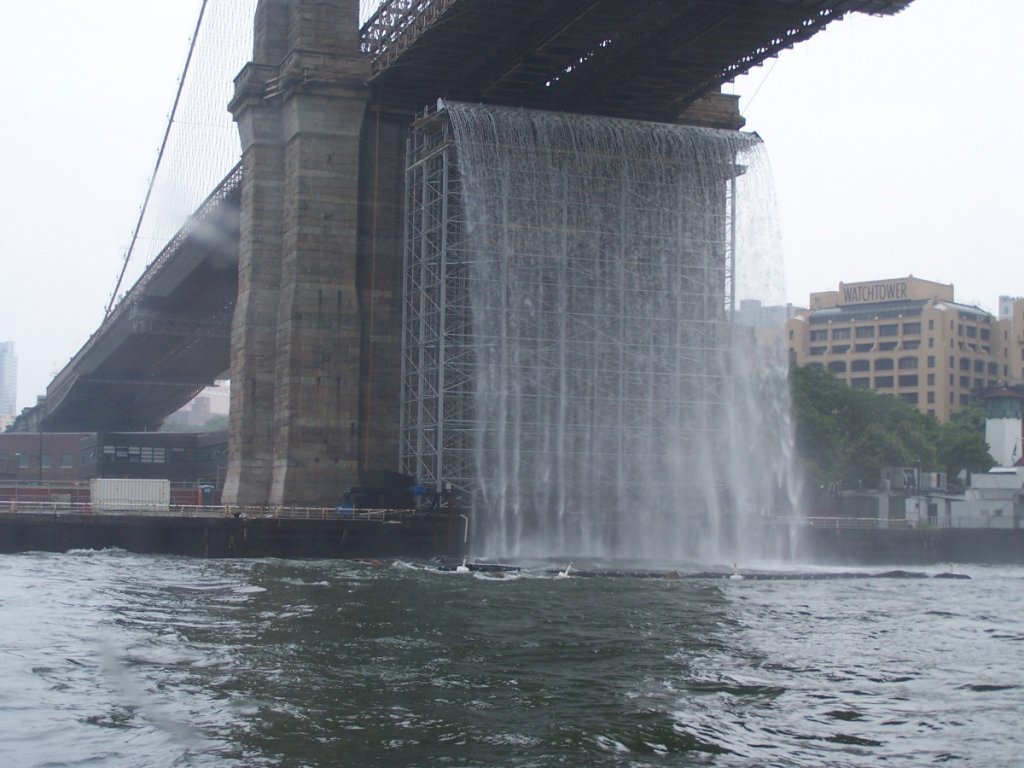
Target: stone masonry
298 343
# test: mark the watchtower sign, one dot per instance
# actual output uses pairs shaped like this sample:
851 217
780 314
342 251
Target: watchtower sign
866 293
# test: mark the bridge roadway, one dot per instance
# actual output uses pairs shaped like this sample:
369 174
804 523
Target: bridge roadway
640 59
646 59
166 339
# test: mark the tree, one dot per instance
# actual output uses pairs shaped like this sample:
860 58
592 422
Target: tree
961 442
846 436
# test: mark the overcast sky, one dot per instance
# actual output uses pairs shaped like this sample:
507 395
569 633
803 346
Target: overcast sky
896 143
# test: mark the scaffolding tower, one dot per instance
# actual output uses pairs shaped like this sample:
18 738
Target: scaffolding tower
654 376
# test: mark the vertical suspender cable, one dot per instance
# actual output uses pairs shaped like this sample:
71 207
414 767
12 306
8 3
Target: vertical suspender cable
159 159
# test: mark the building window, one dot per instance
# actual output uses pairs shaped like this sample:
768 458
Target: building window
819 335
931 379
840 334
864 347
952 379
931 411
883 382
979 366
840 349
66 461
860 382
908 380
865 331
860 365
965 382
985 334
912 344
790 334
931 343
965 400
23 460
908 363
884 364
979 383
931 361
837 366
911 327
910 397
993 369
46 461
818 351
889 330
931 325
931 397
965 364
887 346
972 332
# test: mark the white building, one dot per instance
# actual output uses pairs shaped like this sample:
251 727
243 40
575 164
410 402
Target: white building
8 383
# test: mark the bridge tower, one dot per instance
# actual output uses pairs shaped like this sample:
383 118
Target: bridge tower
299 343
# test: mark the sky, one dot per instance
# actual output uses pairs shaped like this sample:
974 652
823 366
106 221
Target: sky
896 144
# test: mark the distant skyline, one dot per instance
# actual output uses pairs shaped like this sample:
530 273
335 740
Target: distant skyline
895 144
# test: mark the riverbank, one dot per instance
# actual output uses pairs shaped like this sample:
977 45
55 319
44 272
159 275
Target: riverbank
408 535
290 533
907 546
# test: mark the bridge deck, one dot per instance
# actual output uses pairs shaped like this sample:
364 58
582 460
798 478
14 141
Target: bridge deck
645 59
167 338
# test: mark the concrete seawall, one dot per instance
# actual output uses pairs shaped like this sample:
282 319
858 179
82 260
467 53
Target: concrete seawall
418 536
882 546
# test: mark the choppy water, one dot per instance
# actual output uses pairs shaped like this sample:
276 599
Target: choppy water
113 659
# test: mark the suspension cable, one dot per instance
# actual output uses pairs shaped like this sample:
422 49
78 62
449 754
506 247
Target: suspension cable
159 159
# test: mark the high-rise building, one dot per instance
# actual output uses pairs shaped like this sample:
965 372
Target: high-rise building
8 383
1006 306
908 337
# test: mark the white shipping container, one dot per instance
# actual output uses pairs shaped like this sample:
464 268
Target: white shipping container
130 495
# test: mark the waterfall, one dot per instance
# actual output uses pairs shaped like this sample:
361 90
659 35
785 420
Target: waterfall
618 411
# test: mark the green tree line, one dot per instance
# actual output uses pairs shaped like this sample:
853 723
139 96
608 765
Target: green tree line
846 436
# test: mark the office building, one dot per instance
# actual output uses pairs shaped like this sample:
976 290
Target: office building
908 337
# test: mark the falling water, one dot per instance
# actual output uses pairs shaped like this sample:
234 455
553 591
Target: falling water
619 412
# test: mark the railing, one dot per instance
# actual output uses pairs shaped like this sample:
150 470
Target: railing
394 27
18 506
843 523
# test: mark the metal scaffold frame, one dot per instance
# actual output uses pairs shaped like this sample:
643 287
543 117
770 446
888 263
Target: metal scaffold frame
437 362
443 349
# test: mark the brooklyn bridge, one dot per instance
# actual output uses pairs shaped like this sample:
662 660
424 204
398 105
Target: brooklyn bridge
306 272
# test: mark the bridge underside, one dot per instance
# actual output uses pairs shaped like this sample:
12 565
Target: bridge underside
642 59
167 339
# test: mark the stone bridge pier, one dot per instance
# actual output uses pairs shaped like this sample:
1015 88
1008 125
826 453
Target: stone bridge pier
315 344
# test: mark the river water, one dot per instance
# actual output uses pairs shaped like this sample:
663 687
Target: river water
115 659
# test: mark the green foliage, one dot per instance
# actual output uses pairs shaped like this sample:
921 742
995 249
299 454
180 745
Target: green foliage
846 436
961 442
216 423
